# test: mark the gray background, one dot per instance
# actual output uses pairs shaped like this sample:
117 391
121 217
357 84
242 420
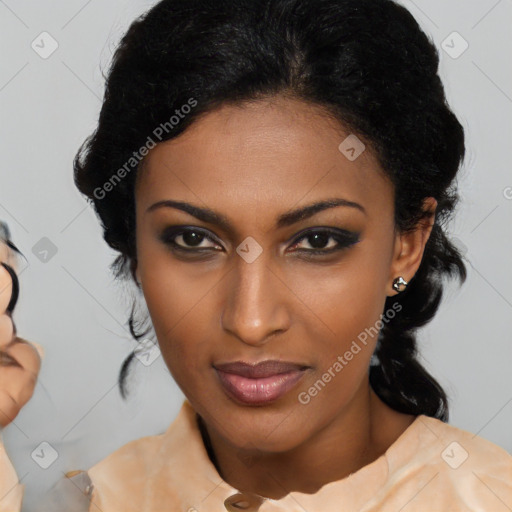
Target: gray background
71 305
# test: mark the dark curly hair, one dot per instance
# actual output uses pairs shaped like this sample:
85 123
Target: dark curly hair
367 63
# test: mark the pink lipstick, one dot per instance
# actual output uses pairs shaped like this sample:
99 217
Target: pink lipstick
259 384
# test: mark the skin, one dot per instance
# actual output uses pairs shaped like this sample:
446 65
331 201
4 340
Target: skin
252 163
20 359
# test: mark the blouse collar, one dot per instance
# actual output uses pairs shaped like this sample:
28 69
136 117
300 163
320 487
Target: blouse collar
183 461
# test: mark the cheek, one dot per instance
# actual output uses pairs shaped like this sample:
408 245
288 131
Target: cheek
347 304
178 297
172 296
180 314
345 299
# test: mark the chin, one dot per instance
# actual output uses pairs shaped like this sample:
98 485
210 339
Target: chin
267 432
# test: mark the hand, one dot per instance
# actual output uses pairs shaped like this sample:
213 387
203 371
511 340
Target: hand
20 360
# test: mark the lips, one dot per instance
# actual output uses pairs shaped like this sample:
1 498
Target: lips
262 369
259 384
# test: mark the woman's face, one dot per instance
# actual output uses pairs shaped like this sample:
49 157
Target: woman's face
243 284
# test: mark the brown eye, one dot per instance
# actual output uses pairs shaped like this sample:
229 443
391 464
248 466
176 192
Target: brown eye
192 238
189 239
325 241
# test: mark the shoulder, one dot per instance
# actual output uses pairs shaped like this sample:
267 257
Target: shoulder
133 457
129 477
443 467
134 454
71 492
460 446
149 471
472 468
79 491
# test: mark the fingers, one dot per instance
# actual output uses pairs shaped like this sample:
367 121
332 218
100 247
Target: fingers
26 354
19 368
5 289
9 409
34 346
7 254
6 330
6 325
20 360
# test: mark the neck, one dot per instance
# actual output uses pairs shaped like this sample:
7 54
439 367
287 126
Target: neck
360 434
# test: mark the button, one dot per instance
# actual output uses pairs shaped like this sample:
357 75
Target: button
243 501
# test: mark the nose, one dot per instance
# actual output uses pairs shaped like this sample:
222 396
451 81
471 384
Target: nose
256 302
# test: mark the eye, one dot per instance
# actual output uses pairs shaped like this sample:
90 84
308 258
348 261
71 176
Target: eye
189 239
325 240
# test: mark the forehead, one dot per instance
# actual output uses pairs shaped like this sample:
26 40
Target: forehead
264 156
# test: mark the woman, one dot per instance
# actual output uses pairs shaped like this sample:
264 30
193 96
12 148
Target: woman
276 176
20 362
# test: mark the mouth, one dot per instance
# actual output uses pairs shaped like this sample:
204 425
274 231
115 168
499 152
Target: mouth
259 384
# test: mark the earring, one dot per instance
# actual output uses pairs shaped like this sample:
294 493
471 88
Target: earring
398 282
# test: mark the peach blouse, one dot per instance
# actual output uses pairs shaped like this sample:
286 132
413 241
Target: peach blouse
432 466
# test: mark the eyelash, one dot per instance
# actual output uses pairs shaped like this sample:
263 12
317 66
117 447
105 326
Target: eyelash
343 238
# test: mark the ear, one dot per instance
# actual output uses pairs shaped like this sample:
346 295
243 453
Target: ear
409 247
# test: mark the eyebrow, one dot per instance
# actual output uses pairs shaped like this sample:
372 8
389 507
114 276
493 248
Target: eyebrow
286 219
